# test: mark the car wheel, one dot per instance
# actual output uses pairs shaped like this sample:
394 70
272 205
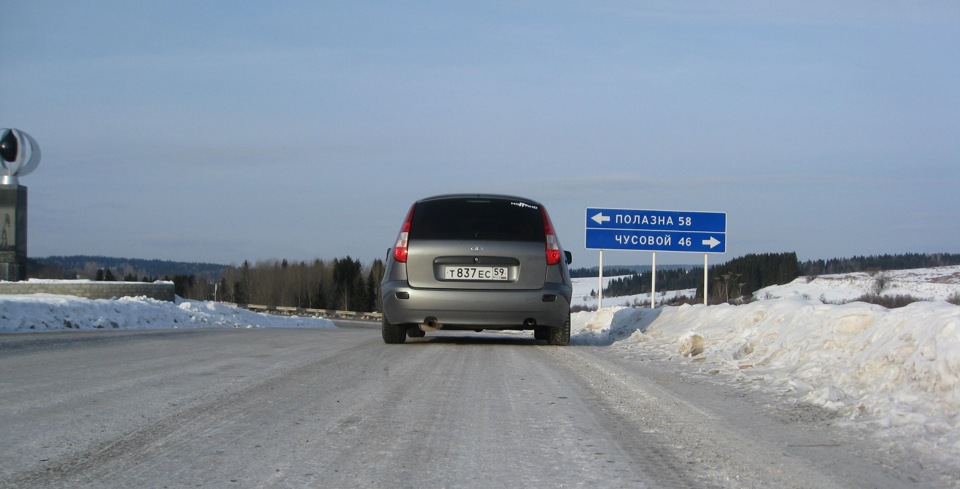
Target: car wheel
560 336
393 334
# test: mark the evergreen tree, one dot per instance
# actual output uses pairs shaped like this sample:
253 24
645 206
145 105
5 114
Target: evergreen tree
240 294
223 292
373 286
346 277
183 285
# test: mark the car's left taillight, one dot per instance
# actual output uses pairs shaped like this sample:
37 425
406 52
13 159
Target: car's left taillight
403 239
552 242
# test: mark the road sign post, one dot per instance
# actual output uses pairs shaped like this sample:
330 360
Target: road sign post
656 230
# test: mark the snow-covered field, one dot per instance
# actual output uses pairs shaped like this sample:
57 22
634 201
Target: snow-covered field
895 372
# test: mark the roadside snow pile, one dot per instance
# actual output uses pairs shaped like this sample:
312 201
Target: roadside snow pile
45 313
896 369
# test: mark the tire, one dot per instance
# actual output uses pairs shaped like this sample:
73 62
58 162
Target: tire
393 334
560 336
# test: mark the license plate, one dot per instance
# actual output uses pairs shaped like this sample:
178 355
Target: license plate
475 273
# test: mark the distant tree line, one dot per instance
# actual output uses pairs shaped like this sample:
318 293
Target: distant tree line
735 278
667 279
344 283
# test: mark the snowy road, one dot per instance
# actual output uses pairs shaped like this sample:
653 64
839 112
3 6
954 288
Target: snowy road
338 408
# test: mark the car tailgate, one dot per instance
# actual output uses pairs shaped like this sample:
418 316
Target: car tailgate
487 265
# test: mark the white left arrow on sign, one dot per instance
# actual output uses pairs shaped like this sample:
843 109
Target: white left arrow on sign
712 242
600 218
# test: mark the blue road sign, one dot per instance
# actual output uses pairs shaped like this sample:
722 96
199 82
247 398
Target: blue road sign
651 230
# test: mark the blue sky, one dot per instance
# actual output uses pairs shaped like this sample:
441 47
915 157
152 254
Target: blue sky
231 131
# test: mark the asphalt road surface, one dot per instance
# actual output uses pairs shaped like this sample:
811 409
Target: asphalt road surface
338 408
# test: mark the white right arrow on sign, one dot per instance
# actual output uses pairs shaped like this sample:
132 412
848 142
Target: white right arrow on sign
712 242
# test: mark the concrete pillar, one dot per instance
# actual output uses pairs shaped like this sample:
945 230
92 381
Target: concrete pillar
13 232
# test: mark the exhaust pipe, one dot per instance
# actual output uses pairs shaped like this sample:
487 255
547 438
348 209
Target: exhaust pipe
529 322
431 325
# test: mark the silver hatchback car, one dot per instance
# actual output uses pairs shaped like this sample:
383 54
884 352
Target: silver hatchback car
476 262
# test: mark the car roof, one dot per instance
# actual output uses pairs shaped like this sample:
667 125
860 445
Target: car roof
478 196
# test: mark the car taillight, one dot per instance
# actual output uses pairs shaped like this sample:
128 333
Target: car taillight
553 244
400 249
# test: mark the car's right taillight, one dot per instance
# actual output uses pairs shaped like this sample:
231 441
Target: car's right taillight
553 244
403 239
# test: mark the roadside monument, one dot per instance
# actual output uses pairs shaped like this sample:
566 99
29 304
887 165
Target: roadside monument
19 155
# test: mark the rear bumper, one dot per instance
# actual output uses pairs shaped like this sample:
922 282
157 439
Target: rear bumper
477 309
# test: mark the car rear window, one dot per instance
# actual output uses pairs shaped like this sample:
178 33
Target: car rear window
486 219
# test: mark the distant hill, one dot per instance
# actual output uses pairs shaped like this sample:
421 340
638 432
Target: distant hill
84 266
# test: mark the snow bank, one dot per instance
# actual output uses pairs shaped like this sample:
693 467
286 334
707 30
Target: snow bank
44 312
897 369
